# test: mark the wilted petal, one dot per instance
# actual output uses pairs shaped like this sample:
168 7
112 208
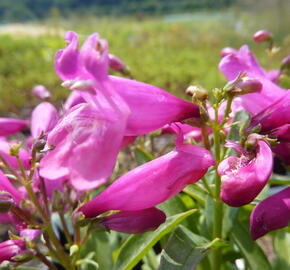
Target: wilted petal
271 214
134 222
153 182
151 107
243 177
9 126
44 117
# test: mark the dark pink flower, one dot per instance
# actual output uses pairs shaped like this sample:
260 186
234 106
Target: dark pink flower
226 51
11 248
9 126
244 176
134 221
153 182
271 214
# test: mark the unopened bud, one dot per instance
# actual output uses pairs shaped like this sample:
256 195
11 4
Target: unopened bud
41 92
118 65
73 249
262 36
14 150
39 145
248 85
197 92
285 63
6 201
226 51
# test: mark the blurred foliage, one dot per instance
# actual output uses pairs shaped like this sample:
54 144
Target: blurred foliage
170 51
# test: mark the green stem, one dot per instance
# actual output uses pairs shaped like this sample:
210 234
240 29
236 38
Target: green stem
207 187
64 226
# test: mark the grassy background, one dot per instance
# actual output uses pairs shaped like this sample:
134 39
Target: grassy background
170 52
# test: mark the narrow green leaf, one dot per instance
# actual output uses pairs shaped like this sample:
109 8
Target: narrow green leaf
185 250
253 254
229 219
195 193
277 179
137 246
282 249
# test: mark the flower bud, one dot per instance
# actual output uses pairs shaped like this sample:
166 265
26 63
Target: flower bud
262 35
197 92
117 64
41 92
285 63
6 201
249 85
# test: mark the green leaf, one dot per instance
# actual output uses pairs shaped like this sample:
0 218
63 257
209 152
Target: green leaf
277 179
137 246
252 253
242 117
142 156
282 250
195 193
184 250
229 219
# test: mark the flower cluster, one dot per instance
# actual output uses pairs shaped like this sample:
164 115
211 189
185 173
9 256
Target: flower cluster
72 152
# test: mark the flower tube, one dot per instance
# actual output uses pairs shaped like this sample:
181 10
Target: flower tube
134 221
243 177
10 126
11 248
271 214
153 182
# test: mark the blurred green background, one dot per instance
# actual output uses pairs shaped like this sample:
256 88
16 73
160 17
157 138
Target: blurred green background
170 44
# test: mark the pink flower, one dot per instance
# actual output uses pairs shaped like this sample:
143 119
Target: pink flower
273 75
73 99
87 141
117 64
244 61
153 182
262 35
11 248
9 126
271 214
244 176
43 119
41 92
134 221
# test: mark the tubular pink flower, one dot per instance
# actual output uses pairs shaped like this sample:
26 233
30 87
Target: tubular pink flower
134 221
41 92
245 176
87 141
73 99
11 248
273 75
274 117
271 214
117 64
43 119
153 182
7 186
151 107
244 62
9 126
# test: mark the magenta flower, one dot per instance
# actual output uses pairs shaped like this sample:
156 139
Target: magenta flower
262 35
11 248
134 221
244 62
41 92
44 117
153 182
244 176
73 99
91 73
273 75
271 214
86 143
275 118
9 126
